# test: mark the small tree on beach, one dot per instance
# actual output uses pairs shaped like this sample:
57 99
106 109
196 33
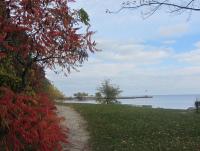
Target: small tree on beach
107 93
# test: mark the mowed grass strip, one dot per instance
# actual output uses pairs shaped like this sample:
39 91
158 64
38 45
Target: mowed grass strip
127 128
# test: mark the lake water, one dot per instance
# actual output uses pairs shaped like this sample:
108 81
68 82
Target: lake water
165 101
161 101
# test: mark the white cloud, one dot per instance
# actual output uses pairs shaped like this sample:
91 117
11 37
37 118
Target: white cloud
192 57
132 52
169 42
132 80
175 30
197 44
118 61
135 65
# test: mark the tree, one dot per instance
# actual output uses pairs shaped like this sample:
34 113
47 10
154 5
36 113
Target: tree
152 6
53 93
43 32
34 35
107 93
80 95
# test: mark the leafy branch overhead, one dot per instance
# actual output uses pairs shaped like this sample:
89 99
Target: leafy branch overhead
84 16
44 33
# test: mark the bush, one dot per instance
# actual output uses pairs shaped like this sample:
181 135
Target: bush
107 93
9 81
29 123
49 89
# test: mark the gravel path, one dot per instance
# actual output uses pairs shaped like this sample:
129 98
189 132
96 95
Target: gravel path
78 136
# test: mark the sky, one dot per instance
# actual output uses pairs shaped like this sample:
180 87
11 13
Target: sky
159 55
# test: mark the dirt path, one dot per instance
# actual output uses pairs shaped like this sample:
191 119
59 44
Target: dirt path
78 136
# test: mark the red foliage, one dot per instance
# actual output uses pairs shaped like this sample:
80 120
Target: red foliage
29 123
37 33
49 31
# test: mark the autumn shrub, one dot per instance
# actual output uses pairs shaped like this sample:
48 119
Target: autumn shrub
29 123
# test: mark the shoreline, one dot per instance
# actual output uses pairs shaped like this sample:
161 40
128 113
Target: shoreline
132 105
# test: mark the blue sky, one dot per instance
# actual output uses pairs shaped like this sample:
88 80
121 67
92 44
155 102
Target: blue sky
160 54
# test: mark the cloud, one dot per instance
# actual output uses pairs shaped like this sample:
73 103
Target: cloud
169 42
197 44
137 53
132 80
136 65
192 56
170 72
176 30
119 61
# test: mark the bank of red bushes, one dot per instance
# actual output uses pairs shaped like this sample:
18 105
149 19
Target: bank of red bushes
29 123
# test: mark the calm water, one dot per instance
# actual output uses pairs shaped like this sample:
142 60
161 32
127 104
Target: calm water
162 101
166 101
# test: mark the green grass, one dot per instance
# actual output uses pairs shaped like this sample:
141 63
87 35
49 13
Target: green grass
126 128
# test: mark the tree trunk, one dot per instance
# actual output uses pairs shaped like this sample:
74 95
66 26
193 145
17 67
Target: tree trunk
24 79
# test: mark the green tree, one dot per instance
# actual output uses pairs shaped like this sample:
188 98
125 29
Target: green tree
53 92
107 93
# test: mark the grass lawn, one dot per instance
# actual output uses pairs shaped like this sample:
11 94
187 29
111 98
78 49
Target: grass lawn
126 128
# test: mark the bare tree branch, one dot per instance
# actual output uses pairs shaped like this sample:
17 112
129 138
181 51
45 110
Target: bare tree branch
155 5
